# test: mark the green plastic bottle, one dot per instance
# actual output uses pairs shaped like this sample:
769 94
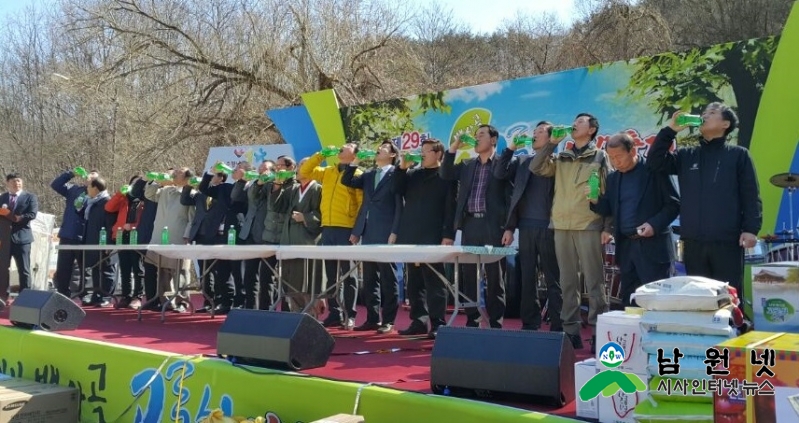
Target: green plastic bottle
366 154
80 171
134 236
165 236
285 174
195 181
522 141
119 235
413 156
124 189
80 201
468 140
103 236
593 184
231 236
689 120
163 177
330 151
267 177
250 175
561 131
223 168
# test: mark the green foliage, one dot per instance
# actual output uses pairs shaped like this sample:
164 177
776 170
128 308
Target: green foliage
369 124
689 80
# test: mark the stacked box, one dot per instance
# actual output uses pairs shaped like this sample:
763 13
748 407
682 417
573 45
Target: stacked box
763 380
775 297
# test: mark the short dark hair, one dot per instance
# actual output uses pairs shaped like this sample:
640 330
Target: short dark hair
287 161
188 173
223 176
133 178
12 175
354 146
437 146
727 114
394 150
548 123
622 139
267 161
593 122
492 131
99 183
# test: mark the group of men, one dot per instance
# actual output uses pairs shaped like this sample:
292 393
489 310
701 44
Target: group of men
562 230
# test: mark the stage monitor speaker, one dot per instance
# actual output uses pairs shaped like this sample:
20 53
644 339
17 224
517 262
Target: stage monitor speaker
280 340
48 310
496 362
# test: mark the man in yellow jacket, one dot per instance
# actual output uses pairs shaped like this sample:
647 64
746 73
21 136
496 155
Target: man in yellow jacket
340 205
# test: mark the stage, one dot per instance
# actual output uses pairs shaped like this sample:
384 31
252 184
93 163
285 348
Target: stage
391 361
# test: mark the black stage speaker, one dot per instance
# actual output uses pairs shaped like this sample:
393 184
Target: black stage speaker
489 362
281 340
47 310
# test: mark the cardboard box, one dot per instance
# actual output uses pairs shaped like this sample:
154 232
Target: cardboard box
775 297
620 407
625 330
341 418
25 401
763 408
583 371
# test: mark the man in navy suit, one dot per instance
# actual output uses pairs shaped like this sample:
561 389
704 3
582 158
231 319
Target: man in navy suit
378 223
19 207
643 204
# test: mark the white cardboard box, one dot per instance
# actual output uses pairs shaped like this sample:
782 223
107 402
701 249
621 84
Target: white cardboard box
625 330
620 407
583 371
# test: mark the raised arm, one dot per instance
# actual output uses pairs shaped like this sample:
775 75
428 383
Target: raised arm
239 194
659 158
312 168
397 214
152 191
543 164
505 167
115 203
401 177
137 190
61 183
350 179
188 196
449 171
448 229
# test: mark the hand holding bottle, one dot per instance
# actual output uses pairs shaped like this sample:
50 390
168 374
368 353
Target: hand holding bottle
676 121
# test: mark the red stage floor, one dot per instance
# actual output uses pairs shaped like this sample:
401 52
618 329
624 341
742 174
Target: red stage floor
395 361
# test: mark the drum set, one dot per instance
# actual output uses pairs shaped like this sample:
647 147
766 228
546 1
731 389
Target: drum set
784 244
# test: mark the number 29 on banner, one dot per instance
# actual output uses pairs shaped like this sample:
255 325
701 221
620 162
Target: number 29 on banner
411 140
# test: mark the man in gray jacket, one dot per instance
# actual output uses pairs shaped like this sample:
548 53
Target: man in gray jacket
257 275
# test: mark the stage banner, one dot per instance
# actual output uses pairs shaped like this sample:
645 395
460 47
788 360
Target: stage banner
637 96
123 384
254 154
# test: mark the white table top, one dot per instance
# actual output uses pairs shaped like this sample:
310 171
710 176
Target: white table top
375 253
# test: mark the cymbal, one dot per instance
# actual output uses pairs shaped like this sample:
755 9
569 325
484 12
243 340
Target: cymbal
785 180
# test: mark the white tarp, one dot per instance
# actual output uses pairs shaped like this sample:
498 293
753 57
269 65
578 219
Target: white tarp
41 249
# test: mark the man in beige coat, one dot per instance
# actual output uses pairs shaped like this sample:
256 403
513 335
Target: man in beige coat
579 232
176 218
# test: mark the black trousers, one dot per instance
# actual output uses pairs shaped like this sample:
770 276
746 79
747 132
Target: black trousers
267 286
478 232
104 273
22 257
537 253
131 271
65 265
637 268
380 287
150 280
722 261
332 235
427 294
223 289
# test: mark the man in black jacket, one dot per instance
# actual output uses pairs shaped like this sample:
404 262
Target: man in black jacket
721 211
530 212
427 219
104 267
643 204
480 213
